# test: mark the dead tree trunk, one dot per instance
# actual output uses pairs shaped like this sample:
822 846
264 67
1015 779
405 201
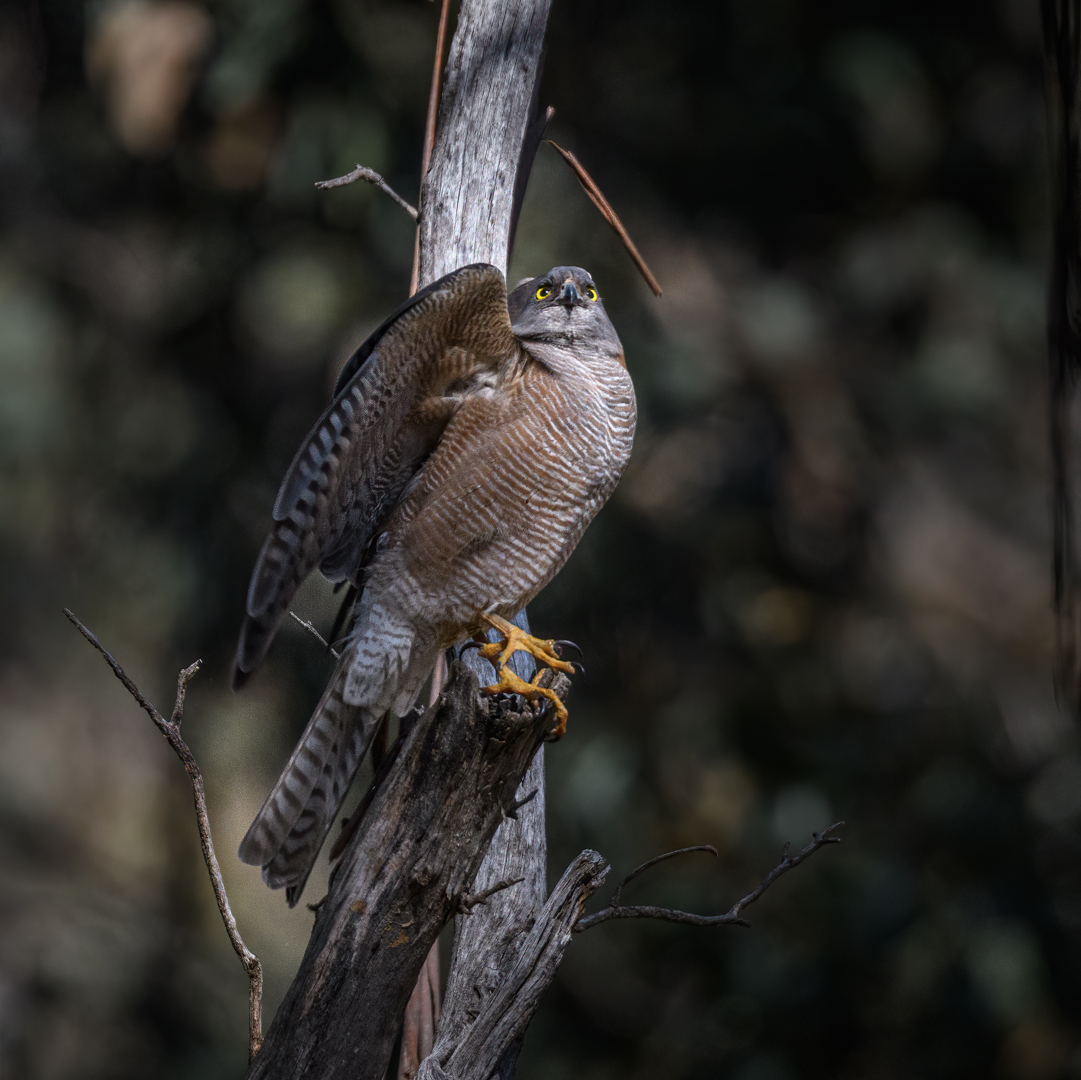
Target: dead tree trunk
456 820
450 782
428 828
488 132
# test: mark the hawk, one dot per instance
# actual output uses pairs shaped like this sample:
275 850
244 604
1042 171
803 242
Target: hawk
471 440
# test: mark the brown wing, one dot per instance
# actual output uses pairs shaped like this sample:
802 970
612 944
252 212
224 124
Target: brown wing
387 415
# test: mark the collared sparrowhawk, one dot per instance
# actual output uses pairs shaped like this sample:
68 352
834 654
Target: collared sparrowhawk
471 440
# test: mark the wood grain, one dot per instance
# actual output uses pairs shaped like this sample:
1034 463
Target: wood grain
410 866
467 198
490 123
427 837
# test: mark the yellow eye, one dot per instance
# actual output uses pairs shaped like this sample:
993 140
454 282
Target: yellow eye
544 292
591 293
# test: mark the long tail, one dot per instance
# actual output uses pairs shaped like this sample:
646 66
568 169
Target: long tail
287 833
382 670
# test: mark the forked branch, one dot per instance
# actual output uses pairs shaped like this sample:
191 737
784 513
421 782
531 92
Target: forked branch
362 172
732 917
171 730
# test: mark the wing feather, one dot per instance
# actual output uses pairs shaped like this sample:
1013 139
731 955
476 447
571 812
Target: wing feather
386 417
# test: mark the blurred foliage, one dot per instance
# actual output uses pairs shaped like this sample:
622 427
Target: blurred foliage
822 590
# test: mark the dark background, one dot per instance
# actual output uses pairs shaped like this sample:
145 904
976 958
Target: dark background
821 591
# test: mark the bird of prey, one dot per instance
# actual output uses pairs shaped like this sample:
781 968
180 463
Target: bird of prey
471 440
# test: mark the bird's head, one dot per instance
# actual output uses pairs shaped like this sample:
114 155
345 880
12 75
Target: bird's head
562 307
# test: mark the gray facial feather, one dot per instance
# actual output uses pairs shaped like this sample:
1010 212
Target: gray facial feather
565 315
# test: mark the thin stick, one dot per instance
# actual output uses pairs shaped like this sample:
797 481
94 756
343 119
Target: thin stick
605 207
171 730
614 902
429 132
362 172
315 633
732 917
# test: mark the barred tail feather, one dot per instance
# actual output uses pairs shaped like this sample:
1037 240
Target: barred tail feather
289 830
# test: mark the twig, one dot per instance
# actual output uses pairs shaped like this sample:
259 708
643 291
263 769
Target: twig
605 207
469 901
171 730
362 172
614 902
315 633
429 132
512 810
732 917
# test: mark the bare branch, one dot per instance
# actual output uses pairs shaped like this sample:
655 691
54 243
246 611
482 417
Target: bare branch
732 917
171 730
614 902
160 721
318 637
362 172
605 207
182 680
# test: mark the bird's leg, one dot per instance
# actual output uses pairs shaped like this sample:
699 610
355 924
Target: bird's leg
517 640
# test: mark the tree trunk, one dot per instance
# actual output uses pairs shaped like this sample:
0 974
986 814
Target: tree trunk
448 784
424 847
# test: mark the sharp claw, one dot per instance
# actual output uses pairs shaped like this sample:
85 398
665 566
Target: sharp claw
471 644
579 668
562 644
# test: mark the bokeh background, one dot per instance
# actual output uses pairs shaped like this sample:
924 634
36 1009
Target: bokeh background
822 590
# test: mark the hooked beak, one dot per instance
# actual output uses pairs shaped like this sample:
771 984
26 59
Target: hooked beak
569 295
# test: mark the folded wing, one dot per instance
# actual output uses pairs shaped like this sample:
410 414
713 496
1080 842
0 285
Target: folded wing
389 411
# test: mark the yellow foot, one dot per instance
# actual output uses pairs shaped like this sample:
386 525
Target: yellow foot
517 640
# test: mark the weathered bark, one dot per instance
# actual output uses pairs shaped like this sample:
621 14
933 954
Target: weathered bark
490 124
433 817
486 942
481 1049
467 198
410 866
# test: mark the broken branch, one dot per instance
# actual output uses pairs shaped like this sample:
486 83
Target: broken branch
362 172
468 902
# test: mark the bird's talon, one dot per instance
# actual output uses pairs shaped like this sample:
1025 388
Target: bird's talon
517 640
561 643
